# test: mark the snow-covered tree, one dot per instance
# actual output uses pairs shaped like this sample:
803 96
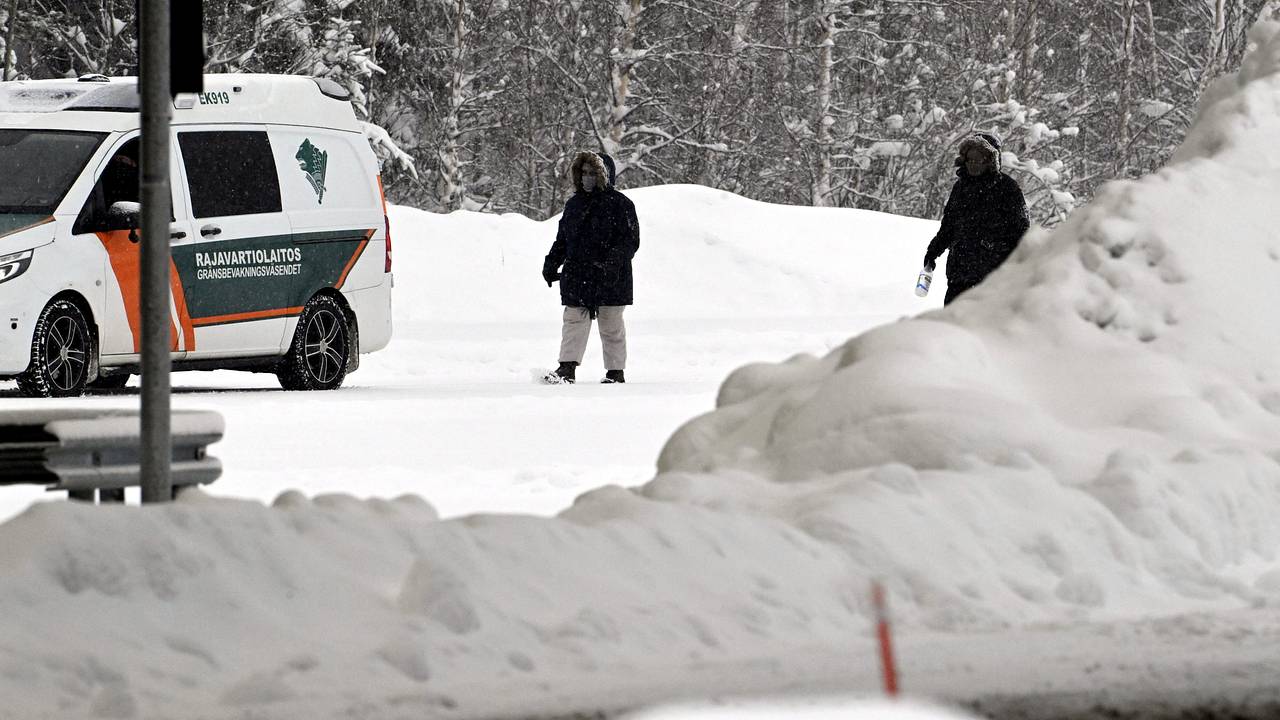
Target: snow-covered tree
318 38
481 103
68 38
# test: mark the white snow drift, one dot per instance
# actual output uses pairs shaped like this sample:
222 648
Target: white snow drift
1093 429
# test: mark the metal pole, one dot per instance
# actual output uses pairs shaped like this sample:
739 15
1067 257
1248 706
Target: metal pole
157 104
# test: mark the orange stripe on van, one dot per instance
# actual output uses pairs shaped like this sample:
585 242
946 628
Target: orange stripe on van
125 257
245 316
184 317
354 257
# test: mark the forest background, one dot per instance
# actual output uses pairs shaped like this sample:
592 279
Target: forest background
849 103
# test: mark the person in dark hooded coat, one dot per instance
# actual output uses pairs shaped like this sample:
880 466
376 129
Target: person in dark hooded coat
591 257
985 217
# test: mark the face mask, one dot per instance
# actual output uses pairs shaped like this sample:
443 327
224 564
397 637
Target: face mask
589 182
977 165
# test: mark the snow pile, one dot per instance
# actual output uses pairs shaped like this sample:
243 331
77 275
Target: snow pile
704 253
332 606
1095 429
471 305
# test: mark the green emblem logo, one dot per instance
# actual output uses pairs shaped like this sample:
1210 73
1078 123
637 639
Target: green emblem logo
314 162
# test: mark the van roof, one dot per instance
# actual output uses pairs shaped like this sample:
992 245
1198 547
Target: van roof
96 102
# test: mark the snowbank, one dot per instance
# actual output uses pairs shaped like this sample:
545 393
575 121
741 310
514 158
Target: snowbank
704 253
1094 430
713 267
333 607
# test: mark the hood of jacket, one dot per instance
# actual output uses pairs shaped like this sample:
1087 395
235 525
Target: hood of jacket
598 163
613 171
983 142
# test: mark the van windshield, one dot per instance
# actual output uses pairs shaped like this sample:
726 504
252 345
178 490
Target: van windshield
39 167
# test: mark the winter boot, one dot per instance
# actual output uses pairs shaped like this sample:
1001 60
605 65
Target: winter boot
562 375
613 376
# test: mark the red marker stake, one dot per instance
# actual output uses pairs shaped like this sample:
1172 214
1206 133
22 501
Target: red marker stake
886 643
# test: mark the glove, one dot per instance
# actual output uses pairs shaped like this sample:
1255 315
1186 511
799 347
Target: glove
929 263
550 276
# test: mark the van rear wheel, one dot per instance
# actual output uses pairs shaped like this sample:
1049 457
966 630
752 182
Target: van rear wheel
59 353
317 358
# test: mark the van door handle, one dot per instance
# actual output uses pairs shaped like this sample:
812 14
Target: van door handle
177 235
210 230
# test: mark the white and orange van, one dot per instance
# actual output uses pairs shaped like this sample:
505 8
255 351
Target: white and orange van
280 240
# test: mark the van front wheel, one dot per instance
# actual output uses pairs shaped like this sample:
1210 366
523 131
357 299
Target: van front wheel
59 353
317 357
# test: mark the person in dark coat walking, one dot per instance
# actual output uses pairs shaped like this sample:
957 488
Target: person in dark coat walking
984 219
591 257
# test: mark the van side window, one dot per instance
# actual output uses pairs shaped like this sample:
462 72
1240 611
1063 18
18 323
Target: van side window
120 178
117 183
230 173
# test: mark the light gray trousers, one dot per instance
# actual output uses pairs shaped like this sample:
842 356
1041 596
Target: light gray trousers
613 335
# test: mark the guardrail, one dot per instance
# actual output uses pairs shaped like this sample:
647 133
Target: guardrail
96 454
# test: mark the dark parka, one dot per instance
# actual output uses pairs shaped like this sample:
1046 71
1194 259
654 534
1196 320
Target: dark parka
599 234
984 219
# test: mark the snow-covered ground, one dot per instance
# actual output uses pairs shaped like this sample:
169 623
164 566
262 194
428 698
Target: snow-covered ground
449 414
1067 480
449 411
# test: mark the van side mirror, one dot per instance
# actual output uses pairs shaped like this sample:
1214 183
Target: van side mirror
124 215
